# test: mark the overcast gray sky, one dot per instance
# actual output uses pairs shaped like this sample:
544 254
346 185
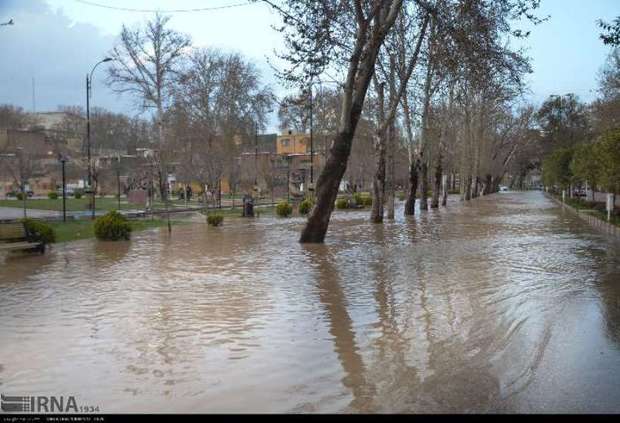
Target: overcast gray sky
56 42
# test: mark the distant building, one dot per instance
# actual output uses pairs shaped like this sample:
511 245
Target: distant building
51 124
50 120
293 144
37 150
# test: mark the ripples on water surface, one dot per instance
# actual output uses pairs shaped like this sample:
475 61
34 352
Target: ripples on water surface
504 304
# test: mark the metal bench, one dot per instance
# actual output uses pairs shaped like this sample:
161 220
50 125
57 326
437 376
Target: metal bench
13 236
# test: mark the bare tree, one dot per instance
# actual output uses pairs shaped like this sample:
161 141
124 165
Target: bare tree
21 166
146 64
219 105
350 33
13 117
293 113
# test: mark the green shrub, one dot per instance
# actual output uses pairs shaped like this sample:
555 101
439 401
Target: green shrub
600 207
284 209
77 195
20 196
359 200
342 203
401 196
367 201
112 227
305 206
39 231
52 195
215 219
588 204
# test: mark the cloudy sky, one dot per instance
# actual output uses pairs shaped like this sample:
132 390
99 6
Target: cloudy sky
56 42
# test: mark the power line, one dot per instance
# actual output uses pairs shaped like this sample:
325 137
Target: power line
128 9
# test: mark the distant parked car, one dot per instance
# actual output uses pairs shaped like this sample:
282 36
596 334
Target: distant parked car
68 191
579 192
503 188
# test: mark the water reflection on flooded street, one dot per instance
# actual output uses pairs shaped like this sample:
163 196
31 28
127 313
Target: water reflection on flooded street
506 304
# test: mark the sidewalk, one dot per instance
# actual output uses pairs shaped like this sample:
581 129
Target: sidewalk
586 215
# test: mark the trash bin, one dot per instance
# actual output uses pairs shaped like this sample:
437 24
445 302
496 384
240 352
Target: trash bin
248 206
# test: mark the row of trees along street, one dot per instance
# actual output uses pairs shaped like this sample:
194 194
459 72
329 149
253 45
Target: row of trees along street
420 95
437 79
581 142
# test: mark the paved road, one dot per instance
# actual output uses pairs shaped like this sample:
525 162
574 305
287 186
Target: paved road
17 213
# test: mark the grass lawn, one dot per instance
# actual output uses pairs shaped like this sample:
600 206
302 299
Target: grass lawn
238 211
84 228
72 204
588 207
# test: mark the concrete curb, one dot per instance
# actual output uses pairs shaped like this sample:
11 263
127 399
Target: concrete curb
595 222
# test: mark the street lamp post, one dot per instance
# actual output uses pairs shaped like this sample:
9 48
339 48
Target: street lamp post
256 157
312 131
118 182
288 179
311 143
64 189
89 79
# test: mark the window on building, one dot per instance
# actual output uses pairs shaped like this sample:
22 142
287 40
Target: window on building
285 143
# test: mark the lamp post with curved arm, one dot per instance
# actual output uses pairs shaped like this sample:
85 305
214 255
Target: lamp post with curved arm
311 99
89 79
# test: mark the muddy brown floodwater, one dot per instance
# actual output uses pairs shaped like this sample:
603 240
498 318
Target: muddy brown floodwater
505 304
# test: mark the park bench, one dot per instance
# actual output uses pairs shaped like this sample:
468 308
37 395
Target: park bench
13 236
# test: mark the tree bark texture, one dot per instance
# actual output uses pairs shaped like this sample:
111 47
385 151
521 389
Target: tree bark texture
424 186
413 187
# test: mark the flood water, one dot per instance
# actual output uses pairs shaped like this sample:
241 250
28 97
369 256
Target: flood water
505 304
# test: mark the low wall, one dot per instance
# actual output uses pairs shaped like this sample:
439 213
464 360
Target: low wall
601 197
594 221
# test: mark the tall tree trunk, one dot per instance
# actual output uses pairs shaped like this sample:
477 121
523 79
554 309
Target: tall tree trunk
378 185
424 186
468 188
413 187
389 185
360 70
444 190
413 162
474 193
488 185
437 185
424 136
